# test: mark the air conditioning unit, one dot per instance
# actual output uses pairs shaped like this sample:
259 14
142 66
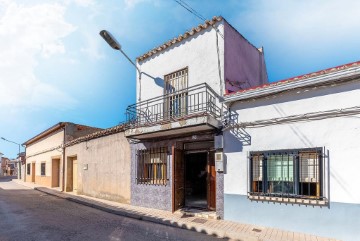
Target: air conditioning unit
219 161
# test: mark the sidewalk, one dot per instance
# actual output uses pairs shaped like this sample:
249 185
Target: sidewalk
219 228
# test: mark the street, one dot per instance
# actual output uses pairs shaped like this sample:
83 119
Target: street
27 214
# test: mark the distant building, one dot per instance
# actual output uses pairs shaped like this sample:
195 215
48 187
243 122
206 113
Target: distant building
8 167
1 170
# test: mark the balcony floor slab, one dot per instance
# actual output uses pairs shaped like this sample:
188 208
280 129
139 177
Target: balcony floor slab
175 127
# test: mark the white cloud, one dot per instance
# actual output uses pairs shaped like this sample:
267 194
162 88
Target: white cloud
28 33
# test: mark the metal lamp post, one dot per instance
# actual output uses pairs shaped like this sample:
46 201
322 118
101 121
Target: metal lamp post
18 154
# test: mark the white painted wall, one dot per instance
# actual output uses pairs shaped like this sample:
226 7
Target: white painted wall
339 135
198 53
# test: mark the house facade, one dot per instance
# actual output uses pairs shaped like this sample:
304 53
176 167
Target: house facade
177 116
290 148
98 165
8 167
45 153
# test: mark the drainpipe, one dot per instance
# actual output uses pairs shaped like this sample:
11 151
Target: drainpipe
63 166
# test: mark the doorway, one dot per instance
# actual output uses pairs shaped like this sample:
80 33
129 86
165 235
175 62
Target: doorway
194 176
33 172
196 180
74 173
55 173
71 174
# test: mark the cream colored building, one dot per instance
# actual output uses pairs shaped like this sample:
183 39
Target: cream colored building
98 165
45 153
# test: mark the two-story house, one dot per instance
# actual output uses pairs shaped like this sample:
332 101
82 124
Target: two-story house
173 124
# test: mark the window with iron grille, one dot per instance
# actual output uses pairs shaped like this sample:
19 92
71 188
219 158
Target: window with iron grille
28 169
152 166
175 89
43 165
287 173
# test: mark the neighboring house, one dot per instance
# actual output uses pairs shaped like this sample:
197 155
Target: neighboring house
98 165
21 163
45 153
291 148
178 114
8 167
12 167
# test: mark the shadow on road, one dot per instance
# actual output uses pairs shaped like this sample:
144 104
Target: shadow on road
7 178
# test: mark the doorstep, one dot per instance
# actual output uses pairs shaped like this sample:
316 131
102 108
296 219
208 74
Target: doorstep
199 213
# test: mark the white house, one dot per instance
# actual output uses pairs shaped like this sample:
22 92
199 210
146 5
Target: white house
178 113
292 154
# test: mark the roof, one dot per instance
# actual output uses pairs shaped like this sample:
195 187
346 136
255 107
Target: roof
55 128
97 134
298 81
181 37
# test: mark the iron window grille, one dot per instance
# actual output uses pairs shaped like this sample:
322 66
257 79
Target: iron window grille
28 169
176 85
43 168
152 166
297 173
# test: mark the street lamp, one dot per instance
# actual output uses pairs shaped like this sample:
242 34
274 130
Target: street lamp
115 45
19 153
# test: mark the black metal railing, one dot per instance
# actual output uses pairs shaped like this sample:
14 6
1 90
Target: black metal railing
193 101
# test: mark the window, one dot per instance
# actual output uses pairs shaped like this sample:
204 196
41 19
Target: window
175 89
28 169
152 166
43 169
287 173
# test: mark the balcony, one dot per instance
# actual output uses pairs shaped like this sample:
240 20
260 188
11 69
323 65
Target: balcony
186 111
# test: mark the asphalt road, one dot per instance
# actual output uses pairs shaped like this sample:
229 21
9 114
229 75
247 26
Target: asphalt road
26 214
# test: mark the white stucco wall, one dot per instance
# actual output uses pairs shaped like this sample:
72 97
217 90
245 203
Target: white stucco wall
198 53
339 135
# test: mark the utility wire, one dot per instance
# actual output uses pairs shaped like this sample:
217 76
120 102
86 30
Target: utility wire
190 9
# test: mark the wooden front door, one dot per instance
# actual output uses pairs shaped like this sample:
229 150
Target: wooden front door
211 181
32 172
179 181
75 171
55 173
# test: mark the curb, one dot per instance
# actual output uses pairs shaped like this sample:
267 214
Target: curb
204 230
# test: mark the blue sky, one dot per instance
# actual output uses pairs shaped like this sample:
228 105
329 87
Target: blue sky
55 67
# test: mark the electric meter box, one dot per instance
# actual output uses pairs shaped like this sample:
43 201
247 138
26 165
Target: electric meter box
219 161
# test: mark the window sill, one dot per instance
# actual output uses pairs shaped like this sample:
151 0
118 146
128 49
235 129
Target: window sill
288 200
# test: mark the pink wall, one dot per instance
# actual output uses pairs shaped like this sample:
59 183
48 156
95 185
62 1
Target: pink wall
244 63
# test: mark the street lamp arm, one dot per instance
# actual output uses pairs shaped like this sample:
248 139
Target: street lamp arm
9 141
132 62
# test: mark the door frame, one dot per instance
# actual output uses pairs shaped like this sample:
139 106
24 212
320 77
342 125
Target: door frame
208 167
